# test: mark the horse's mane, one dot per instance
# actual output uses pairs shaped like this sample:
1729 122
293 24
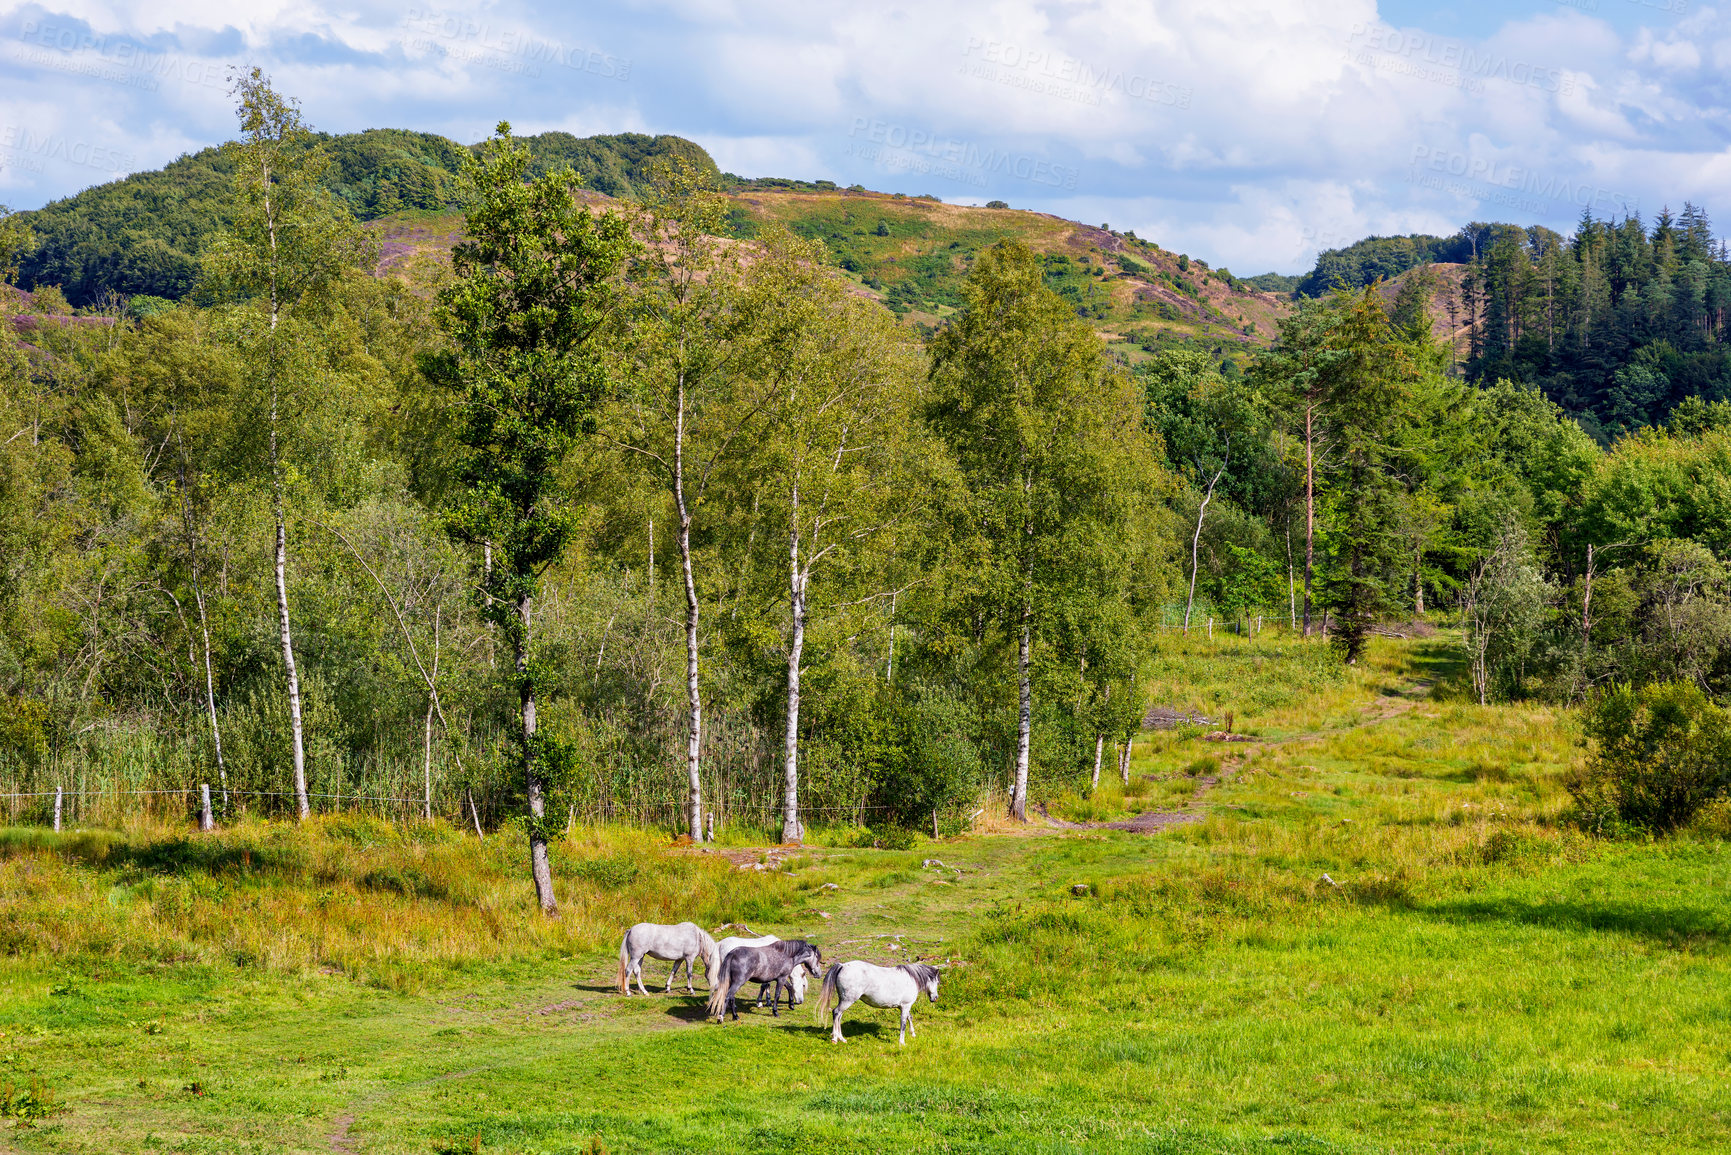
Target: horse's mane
921 973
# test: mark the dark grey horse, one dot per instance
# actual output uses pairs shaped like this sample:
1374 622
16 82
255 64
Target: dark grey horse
773 962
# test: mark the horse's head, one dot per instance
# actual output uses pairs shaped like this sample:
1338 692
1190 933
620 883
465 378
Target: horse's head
930 983
797 981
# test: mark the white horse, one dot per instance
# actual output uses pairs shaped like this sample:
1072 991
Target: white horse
680 944
898 986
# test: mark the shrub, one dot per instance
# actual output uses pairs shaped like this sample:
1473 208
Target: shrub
1660 753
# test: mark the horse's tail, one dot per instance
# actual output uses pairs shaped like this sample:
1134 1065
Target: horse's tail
828 994
711 956
717 995
625 964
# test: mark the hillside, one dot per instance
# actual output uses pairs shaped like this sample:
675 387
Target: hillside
913 254
142 236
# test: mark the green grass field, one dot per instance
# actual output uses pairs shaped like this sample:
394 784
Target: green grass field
1377 935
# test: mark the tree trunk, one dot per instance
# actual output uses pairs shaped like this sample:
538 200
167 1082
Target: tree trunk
1195 548
1196 539
294 681
797 582
1099 750
693 698
1024 721
539 868
1124 762
1309 508
210 688
204 634
1291 585
1587 601
427 764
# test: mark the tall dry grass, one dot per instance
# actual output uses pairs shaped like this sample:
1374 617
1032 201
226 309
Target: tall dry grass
390 905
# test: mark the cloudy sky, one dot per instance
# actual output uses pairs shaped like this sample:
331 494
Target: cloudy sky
1250 132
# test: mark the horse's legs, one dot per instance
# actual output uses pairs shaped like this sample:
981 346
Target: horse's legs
903 1041
636 969
689 989
836 1035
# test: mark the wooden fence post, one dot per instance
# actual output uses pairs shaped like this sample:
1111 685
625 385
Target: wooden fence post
205 821
59 791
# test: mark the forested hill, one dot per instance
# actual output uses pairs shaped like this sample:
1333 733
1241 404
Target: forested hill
1618 323
143 234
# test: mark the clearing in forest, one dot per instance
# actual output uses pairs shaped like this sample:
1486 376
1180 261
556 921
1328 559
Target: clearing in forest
1375 935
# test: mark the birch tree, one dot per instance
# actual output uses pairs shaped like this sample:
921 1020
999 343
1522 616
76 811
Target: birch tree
1048 436
684 409
526 316
835 468
290 242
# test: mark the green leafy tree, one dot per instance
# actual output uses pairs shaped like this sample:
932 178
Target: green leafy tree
835 471
526 316
1048 436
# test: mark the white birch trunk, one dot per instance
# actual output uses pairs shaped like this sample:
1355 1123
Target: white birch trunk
1099 751
427 764
1024 721
210 687
693 697
1309 508
797 581
539 867
294 681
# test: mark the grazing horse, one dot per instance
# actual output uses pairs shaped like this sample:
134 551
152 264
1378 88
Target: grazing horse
898 986
680 944
774 962
725 946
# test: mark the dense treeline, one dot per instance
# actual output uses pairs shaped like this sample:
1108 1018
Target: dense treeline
631 519
145 234
683 529
1617 323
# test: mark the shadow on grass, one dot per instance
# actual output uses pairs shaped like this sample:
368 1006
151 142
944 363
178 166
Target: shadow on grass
1666 925
174 855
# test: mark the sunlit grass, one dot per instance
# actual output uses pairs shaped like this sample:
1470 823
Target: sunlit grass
1380 935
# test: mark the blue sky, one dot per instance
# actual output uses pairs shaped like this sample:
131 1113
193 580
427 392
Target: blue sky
1248 132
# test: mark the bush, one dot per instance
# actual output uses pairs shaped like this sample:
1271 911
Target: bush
1659 754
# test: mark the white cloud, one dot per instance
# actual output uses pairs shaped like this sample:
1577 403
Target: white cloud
1240 130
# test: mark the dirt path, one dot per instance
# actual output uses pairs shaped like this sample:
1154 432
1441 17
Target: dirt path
1381 709
1149 821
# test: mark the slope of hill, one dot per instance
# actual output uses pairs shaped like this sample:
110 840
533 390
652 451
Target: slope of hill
914 252
143 234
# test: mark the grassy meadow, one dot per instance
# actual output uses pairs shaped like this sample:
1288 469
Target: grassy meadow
1377 934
